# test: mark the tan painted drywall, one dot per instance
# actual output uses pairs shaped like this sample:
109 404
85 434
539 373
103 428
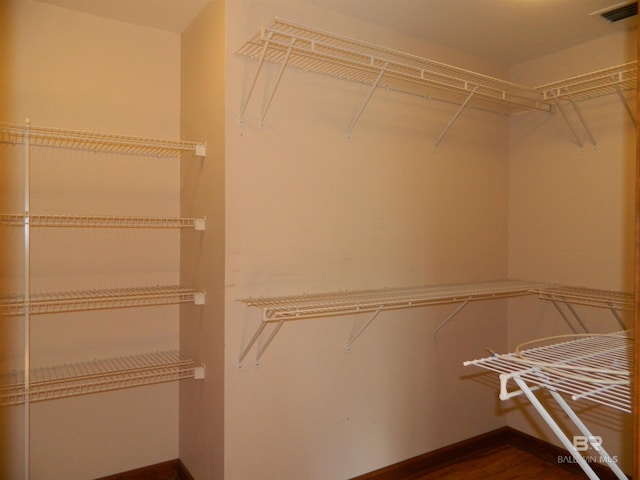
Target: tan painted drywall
77 71
571 216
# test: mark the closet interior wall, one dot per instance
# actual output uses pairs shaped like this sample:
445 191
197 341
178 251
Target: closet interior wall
571 216
81 72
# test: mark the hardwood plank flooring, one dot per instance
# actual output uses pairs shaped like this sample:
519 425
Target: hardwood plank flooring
503 462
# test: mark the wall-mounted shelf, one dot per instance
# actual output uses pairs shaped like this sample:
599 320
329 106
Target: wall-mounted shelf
570 296
280 309
76 301
310 49
585 367
101 221
104 142
97 376
618 79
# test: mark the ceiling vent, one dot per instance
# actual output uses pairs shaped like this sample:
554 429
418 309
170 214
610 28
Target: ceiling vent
618 12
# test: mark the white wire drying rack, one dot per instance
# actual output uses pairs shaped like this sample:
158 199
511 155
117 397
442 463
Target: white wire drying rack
280 309
585 367
310 49
85 300
95 376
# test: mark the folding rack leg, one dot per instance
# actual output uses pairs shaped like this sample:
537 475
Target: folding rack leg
275 87
366 100
446 320
455 117
362 329
556 428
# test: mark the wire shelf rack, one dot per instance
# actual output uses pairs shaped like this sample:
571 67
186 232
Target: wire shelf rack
345 303
97 376
318 51
101 221
75 301
595 84
587 296
104 142
588 366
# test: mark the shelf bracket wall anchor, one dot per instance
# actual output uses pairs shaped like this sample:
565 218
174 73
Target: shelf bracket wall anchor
354 336
367 98
455 116
453 314
275 87
263 54
626 104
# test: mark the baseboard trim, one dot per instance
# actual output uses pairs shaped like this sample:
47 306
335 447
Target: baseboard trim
432 461
171 470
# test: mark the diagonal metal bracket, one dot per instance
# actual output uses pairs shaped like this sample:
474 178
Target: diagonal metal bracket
255 77
367 98
626 104
355 335
261 349
455 116
453 314
580 116
275 87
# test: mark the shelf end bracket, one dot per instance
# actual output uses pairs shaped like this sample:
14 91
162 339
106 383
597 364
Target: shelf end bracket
367 98
355 335
455 116
446 320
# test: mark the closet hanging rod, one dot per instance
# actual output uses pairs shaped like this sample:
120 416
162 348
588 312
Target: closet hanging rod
104 142
82 378
75 301
104 221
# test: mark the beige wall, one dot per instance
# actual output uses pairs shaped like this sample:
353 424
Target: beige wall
571 215
309 211
77 71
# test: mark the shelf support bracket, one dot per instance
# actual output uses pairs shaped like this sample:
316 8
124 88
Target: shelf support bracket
626 104
455 116
255 337
367 98
582 120
446 320
564 317
255 77
617 315
275 87
262 348
577 317
355 335
568 122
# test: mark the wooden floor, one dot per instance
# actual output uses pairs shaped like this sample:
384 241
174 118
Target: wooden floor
503 462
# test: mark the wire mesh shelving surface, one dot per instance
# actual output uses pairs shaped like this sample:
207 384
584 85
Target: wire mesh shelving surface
75 301
104 142
344 303
101 221
590 366
96 376
318 51
587 296
595 84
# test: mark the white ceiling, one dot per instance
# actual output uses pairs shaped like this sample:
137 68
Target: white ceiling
506 31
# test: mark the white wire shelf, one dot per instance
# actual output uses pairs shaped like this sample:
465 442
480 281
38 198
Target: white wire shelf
318 51
588 366
595 84
280 309
97 376
587 296
345 303
104 142
102 221
75 301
